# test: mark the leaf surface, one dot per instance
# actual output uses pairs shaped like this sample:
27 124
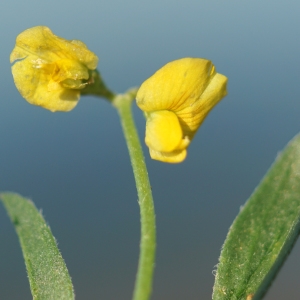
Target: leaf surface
47 272
263 233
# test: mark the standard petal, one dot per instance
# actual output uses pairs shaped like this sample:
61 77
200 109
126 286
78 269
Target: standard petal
163 131
41 42
176 85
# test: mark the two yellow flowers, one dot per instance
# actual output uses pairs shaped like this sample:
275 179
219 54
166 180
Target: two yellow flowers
50 71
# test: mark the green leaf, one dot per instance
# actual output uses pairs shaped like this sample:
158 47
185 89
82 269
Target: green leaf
47 272
263 233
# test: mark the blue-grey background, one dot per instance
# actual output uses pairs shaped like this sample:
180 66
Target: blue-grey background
75 165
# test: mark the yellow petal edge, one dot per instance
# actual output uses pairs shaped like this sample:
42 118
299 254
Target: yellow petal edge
49 71
176 100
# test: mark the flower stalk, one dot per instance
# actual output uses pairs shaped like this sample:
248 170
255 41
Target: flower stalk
123 102
143 284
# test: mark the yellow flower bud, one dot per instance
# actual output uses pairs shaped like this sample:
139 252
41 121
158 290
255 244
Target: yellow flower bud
49 71
176 100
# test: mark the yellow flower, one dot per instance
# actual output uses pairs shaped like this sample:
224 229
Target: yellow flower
49 71
176 100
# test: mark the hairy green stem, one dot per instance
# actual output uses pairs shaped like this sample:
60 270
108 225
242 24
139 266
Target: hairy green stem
143 284
144 278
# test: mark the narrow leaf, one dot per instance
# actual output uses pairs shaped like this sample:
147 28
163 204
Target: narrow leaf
47 272
263 233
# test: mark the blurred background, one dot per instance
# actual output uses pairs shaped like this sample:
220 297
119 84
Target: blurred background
75 165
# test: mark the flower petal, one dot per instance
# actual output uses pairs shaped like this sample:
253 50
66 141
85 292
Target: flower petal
192 116
176 85
170 157
70 69
41 42
36 87
163 131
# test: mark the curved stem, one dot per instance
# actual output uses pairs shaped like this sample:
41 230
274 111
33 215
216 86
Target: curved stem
143 284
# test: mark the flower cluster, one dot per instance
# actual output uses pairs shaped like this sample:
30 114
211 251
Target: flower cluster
176 100
49 71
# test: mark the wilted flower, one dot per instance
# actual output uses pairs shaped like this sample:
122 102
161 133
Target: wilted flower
176 100
49 71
